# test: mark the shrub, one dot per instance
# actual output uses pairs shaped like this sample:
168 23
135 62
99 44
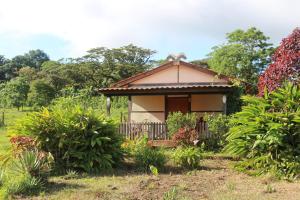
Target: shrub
179 120
25 174
185 136
187 157
218 126
74 135
146 156
267 132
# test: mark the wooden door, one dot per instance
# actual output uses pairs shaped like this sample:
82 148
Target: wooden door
176 104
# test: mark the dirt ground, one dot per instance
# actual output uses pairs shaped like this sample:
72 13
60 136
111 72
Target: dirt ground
214 180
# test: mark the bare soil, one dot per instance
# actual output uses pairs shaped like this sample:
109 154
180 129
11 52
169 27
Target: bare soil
215 179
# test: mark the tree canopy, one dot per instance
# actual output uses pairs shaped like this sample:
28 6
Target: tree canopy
245 55
285 64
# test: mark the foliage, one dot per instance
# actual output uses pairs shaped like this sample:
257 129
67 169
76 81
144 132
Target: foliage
14 93
285 64
153 170
171 194
146 156
34 163
111 65
25 173
9 68
74 135
245 55
218 126
185 136
41 93
234 102
187 157
178 120
267 132
21 184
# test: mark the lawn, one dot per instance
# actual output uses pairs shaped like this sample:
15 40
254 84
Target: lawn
213 180
11 115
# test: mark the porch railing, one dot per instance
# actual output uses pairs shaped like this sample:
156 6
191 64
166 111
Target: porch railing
156 130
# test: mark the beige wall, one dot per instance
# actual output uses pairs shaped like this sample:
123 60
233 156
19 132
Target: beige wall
168 75
186 75
143 105
189 75
207 102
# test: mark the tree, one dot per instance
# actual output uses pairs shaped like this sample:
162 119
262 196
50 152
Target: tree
33 59
36 58
14 93
3 68
111 65
245 55
285 64
28 73
41 93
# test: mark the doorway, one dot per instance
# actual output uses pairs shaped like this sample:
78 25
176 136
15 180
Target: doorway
177 104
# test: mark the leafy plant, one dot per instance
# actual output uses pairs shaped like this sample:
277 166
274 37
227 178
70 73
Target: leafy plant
187 157
172 194
76 136
153 170
218 126
185 136
34 163
146 156
178 120
266 133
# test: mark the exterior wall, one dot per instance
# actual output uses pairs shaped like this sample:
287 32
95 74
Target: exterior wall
207 103
181 74
148 108
190 75
168 75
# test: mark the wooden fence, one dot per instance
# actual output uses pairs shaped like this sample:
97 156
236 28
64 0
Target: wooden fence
156 130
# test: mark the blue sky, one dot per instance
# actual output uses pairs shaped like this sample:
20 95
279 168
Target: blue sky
68 28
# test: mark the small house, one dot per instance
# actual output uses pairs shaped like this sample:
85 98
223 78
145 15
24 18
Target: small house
172 87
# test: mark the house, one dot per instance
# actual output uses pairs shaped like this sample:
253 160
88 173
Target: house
171 87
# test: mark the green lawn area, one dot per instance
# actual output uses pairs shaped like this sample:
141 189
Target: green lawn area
10 116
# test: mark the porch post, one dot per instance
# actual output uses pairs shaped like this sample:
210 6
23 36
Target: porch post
129 108
224 99
108 105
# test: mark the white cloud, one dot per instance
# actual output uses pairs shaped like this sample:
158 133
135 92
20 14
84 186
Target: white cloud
90 23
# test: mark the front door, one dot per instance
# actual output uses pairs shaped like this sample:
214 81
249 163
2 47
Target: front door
177 104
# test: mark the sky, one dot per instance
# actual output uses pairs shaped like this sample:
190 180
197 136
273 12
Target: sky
68 28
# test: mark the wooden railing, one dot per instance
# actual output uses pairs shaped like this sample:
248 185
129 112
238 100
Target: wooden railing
156 130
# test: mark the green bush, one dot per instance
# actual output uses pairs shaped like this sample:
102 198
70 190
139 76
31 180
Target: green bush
266 133
24 174
76 136
218 126
187 157
179 120
146 156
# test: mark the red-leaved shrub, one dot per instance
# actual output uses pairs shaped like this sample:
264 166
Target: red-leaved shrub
285 64
185 136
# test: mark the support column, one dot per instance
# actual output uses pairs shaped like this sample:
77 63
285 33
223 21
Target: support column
224 99
129 108
108 105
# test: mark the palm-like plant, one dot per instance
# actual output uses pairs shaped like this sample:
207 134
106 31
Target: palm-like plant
267 131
